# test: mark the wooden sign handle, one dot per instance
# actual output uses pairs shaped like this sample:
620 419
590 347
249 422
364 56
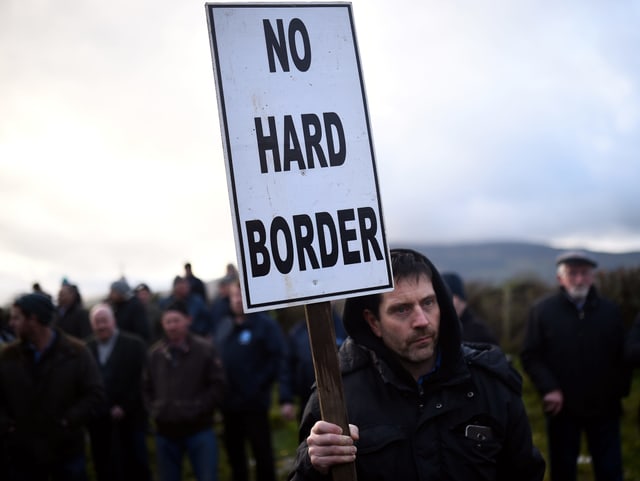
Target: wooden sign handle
322 337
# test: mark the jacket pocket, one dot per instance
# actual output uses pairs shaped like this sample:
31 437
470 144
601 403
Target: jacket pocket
382 452
477 443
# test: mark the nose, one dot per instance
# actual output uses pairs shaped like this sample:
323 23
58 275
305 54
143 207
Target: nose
420 318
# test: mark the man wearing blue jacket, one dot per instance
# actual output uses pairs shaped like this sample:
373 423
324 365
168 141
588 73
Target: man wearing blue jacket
297 374
251 347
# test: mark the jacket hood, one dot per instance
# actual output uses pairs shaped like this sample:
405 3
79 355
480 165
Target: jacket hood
449 342
493 360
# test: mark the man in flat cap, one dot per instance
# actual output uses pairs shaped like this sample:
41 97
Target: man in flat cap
573 353
50 388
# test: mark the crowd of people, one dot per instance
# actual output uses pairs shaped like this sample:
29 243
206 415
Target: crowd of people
134 366
428 391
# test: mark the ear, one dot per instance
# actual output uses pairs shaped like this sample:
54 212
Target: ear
373 322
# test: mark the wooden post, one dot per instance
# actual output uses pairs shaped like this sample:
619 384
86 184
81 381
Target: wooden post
322 337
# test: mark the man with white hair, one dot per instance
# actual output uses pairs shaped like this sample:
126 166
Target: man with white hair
573 352
118 434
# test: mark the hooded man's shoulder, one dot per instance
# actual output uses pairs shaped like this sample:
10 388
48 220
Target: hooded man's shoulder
490 360
352 356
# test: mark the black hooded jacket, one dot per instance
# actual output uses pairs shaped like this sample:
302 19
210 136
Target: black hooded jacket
465 422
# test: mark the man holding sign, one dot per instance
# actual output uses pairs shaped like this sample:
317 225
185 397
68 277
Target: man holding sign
422 406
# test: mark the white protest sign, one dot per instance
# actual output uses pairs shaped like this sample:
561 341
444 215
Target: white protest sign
299 153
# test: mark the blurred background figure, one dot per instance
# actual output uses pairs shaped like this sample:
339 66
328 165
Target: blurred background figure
118 444
201 322
37 289
573 351
183 386
131 315
154 314
72 317
50 388
632 351
251 347
6 334
196 285
297 374
474 329
220 303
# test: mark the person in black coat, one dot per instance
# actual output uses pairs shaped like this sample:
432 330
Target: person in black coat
251 348
50 388
72 317
632 350
421 405
474 329
196 286
130 313
573 352
118 434
297 373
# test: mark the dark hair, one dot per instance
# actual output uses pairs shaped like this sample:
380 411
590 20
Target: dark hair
454 284
229 279
76 294
142 287
405 264
37 305
178 306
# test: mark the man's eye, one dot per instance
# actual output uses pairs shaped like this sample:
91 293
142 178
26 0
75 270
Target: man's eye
401 309
428 302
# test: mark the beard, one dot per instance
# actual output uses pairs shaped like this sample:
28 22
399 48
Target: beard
419 355
578 293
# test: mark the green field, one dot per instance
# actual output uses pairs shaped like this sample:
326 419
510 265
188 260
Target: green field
630 432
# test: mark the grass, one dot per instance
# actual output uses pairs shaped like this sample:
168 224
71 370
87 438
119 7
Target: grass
630 433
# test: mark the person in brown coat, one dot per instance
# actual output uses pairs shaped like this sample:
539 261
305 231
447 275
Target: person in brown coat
183 384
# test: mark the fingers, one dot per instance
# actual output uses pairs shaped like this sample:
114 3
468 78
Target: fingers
324 427
327 446
354 431
552 407
553 401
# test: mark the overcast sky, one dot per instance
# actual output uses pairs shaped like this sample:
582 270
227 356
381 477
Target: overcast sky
495 120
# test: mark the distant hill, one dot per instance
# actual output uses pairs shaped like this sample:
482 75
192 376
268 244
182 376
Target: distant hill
495 262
